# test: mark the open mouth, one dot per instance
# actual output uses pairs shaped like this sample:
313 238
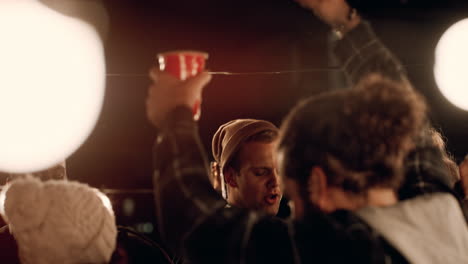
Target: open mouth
272 199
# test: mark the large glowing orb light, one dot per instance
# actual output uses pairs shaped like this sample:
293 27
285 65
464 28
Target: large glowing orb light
52 78
451 64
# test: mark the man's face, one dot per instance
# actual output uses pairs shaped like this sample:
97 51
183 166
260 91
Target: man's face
258 185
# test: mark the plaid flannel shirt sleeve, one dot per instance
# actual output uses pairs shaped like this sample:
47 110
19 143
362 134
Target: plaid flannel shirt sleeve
183 193
360 52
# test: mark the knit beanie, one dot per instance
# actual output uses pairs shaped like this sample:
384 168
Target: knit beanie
59 221
229 137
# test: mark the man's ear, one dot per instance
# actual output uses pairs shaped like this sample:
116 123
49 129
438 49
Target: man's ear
317 186
230 177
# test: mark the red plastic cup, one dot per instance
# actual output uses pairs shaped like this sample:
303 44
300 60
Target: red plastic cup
184 64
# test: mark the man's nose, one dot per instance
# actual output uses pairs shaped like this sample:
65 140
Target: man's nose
273 181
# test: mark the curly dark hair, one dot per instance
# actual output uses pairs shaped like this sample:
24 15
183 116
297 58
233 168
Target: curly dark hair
359 136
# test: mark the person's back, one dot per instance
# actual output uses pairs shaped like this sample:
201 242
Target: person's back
426 229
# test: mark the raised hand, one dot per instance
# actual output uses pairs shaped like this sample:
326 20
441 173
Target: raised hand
336 13
167 92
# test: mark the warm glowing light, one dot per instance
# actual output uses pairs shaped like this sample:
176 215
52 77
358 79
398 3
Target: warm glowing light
52 78
451 64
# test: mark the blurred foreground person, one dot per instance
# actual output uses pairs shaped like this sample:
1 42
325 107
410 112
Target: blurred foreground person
58 221
246 164
8 246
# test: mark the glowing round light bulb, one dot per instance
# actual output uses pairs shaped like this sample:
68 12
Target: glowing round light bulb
451 64
52 79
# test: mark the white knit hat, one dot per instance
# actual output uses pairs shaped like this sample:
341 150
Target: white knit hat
59 221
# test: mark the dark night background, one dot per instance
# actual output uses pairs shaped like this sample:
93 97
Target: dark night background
241 36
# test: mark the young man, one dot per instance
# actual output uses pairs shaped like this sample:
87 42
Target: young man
245 160
347 162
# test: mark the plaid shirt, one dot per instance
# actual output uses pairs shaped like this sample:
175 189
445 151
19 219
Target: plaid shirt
360 52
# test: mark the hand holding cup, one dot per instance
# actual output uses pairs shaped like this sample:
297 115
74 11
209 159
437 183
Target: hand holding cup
167 92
